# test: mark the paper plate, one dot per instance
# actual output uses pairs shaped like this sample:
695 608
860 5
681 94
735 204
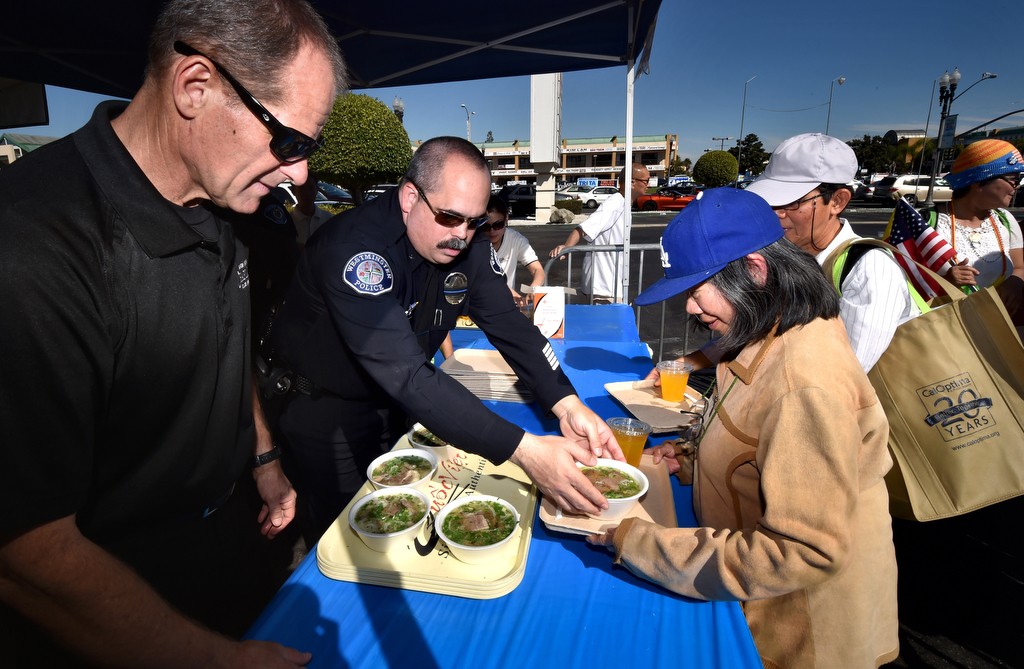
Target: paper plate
643 401
656 506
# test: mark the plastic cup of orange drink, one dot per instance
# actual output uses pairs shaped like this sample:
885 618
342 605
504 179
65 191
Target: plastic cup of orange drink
631 435
674 377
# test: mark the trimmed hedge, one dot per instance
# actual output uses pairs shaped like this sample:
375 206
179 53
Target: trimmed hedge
575 206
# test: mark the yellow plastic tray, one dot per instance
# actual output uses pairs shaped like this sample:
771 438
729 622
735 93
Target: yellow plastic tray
343 556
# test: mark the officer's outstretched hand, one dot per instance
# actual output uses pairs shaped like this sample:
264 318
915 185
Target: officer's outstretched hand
550 463
582 425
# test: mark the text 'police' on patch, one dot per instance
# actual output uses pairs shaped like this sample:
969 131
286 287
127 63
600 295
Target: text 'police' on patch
369 273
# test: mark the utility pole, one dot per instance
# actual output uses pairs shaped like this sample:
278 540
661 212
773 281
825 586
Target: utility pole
743 112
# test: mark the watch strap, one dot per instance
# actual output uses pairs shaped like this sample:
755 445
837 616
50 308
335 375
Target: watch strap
268 457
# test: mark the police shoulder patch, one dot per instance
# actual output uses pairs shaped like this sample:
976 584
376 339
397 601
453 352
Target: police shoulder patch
368 273
275 213
495 265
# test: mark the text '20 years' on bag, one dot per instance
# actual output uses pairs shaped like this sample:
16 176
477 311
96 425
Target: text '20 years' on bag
952 386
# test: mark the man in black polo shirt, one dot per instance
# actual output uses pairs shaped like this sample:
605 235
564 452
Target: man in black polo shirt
126 418
375 292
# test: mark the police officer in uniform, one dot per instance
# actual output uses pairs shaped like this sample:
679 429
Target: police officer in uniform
375 293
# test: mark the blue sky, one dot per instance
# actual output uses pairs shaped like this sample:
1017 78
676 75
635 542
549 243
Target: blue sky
703 53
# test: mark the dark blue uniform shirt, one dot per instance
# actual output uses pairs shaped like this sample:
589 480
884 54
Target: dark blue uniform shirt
364 313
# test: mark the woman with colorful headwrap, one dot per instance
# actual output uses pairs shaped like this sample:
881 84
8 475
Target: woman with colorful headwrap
987 238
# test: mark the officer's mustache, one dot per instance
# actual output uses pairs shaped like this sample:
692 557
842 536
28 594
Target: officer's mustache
453 243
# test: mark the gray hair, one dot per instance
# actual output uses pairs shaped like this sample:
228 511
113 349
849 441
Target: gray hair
429 160
252 39
795 293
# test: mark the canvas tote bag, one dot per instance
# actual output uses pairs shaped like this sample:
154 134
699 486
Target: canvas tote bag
952 386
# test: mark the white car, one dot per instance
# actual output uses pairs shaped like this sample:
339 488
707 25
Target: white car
913 187
593 197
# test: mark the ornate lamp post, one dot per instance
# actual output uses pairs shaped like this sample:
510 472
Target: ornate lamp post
947 94
947 88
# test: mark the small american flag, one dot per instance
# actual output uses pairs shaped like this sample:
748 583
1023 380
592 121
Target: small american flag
918 242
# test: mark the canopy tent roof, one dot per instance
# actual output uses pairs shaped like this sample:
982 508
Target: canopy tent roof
25 142
100 46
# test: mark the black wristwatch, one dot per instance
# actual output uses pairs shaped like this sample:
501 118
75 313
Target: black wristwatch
269 456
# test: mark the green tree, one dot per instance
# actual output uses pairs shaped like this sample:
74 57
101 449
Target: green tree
686 165
876 155
716 168
678 166
365 144
753 156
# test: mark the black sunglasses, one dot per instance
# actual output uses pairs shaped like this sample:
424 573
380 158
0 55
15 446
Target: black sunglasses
447 218
288 144
494 225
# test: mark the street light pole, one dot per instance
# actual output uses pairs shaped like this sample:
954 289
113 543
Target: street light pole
469 127
399 108
743 112
831 87
984 76
947 93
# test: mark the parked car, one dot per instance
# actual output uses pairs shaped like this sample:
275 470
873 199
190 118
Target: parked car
857 188
522 198
690 188
669 198
913 187
593 197
374 191
868 194
329 195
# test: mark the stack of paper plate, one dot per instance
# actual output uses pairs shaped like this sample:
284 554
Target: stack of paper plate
486 374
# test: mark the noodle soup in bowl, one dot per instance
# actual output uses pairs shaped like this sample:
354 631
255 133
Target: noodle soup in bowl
413 467
622 485
422 438
390 518
478 528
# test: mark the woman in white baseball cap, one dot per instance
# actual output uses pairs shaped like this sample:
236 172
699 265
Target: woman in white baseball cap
788 485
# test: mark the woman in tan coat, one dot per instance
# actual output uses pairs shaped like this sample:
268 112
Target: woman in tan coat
788 481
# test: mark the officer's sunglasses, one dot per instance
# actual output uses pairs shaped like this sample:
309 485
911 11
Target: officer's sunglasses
447 218
288 144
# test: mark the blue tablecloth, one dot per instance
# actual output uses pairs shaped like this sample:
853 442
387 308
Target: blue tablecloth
573 607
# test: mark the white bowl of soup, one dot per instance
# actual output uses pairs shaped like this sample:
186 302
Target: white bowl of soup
422 438
622 485
478 528
390 518
403 467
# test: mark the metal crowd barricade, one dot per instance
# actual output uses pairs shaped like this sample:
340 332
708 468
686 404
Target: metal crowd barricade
638 258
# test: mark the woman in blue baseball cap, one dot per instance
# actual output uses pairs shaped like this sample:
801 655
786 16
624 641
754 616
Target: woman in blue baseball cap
788 484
